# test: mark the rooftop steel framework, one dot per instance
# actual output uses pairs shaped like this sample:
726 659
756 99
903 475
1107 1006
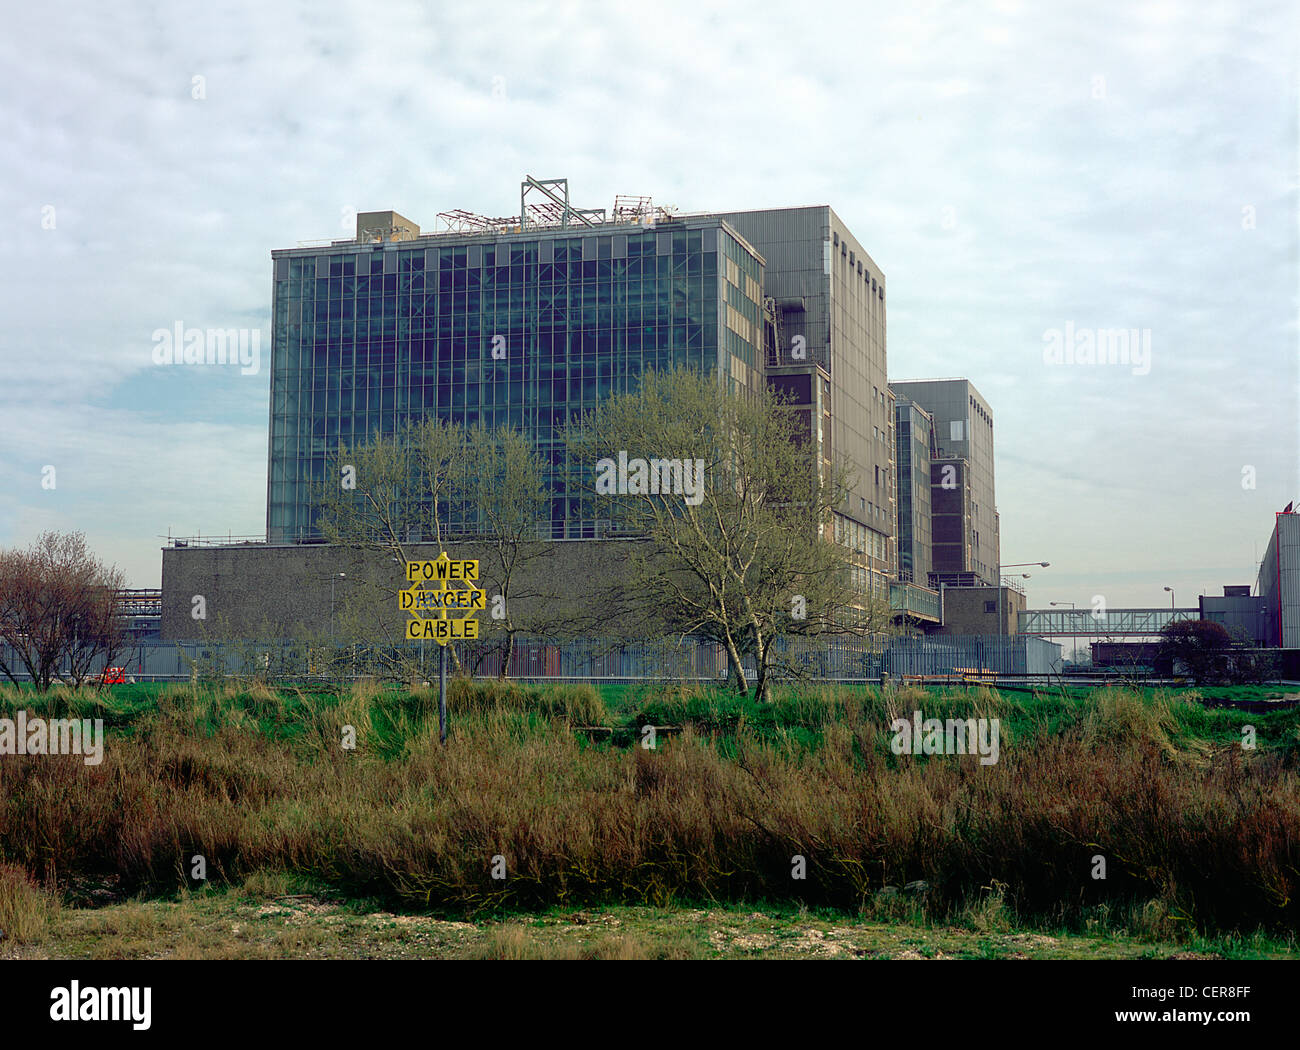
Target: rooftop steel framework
545 204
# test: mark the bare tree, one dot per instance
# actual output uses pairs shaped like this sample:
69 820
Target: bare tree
507 489
738 513
381 498
58 606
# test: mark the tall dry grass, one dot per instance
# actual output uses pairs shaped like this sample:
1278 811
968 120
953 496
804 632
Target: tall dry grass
1205 839
25 907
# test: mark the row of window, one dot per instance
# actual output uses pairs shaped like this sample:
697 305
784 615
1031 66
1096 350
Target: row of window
543 276
466 256
591 312
863 272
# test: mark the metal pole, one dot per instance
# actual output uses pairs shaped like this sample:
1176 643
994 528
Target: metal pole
442 694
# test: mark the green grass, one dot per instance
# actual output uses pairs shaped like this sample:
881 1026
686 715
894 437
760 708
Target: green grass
798 715
1202 837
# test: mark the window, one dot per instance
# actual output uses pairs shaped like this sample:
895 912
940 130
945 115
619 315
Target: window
990 607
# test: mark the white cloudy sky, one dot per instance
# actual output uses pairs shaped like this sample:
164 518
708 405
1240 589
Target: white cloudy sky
1013 167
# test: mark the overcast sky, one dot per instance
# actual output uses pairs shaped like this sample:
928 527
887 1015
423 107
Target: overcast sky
1016 169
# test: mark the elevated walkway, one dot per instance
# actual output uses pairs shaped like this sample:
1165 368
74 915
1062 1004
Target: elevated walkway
1113 623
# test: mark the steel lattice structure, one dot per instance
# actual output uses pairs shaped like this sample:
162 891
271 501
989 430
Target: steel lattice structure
1084 623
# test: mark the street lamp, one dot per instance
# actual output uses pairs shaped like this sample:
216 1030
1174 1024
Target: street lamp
333 577
1013 565
1171 597
1074 649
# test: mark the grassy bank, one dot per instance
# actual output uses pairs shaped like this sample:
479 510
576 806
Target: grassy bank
1201 838
255 922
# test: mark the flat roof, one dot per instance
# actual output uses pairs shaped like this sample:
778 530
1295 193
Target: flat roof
351 246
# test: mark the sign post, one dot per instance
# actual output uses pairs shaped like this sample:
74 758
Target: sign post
442 694
441 599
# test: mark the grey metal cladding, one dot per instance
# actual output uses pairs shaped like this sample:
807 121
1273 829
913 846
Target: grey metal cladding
790 240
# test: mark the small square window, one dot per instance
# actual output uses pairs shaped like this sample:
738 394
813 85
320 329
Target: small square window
990 607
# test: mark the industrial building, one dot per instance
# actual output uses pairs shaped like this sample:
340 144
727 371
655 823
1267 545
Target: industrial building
825 300
965 545
1279 582
527 321
531 321
914 445
1240 613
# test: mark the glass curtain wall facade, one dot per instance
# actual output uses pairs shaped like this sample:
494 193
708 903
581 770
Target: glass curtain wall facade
913 444
369 337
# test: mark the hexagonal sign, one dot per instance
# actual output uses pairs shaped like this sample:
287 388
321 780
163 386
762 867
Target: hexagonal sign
441 599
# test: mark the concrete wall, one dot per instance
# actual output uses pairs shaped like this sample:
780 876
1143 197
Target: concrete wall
964 610
391 226
293 590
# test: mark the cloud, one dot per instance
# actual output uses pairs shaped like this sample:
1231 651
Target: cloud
1097 162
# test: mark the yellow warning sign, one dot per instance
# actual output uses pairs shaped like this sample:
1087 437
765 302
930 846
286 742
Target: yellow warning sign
441 569
441 630
414 600
441 599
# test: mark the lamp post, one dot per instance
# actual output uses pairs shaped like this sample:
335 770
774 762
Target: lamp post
1013 565
1074 650
334 578
1171 597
